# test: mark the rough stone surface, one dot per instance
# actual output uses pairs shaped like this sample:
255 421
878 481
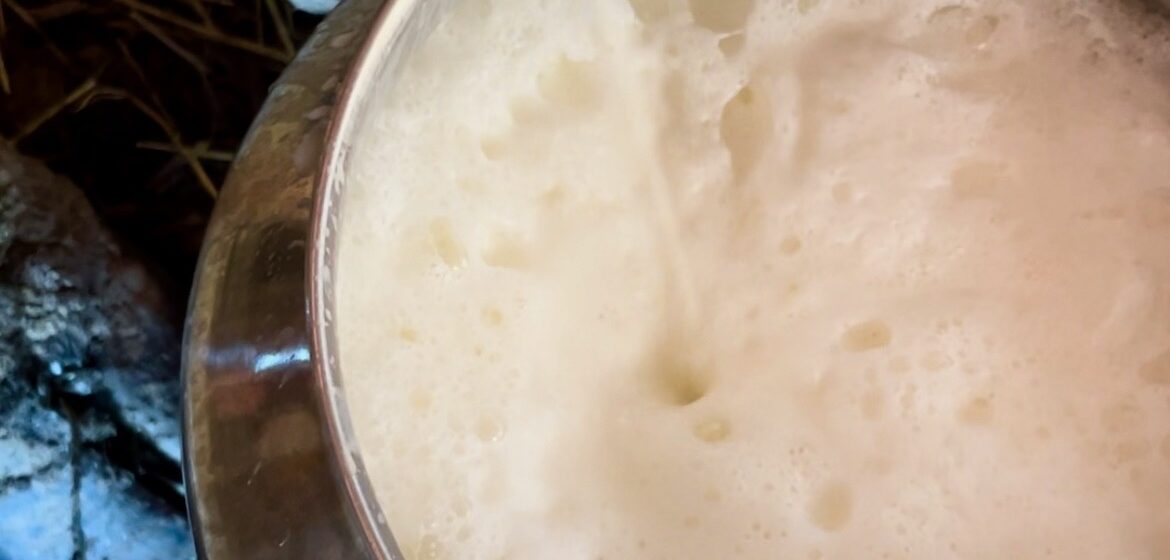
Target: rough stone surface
89 394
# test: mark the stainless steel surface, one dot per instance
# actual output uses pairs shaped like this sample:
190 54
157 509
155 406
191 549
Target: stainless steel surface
267 472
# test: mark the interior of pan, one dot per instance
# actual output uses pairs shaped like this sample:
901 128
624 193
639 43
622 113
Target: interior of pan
396 34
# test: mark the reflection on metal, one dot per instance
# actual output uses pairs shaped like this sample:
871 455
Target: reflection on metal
280 359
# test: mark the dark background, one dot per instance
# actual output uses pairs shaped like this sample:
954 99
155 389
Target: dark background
142 103
118 122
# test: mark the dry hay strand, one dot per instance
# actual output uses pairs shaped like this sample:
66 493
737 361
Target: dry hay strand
142 103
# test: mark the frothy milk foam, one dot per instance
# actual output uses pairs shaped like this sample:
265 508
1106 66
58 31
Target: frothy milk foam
766 279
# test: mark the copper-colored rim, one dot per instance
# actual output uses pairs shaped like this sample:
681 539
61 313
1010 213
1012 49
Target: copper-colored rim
388 27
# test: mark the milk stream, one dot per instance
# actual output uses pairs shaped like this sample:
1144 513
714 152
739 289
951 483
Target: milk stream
799 279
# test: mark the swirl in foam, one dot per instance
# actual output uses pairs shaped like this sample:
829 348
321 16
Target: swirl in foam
766 279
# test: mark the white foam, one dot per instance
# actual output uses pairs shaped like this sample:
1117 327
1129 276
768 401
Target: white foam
771 279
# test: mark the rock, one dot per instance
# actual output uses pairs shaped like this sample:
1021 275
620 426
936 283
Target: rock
117 521
35 476
89 388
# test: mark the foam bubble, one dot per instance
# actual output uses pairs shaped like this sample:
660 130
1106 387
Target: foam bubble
713 430
866 336
832 507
